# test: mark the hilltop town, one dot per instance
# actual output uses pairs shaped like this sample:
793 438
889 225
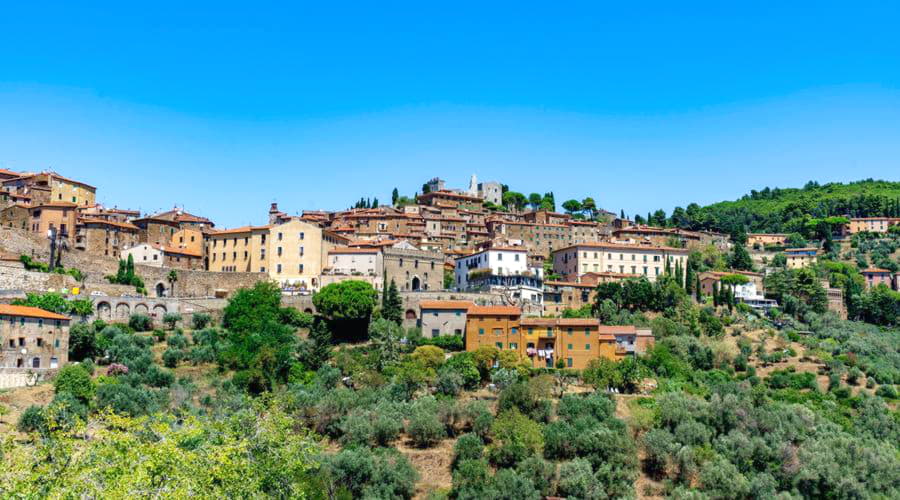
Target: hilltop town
463 343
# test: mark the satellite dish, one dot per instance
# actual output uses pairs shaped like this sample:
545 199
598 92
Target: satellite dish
23 351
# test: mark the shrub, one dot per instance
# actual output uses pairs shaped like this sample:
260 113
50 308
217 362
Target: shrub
471 479
445 342
429 356
425 428
82 342
177 341
33 419
887 392
159 334
116 369
384 473
516 437
171 357
202 354
158 377
508 483
171 319
449 382
125 399
468 447
541 472
464 364
75 380
576 479
65 411
140 323
199 321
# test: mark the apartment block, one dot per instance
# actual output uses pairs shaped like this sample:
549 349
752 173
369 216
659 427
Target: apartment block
575 261
800 257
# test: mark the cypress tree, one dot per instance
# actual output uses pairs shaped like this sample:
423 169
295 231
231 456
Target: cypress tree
395 195
715 294
698 291
391 307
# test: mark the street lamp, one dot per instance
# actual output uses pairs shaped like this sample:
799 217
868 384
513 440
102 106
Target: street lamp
51 235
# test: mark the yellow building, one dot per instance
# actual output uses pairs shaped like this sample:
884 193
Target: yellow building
575 261
50 187
293 253
546 341
800 257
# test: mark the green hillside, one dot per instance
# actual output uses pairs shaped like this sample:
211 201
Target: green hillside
786 210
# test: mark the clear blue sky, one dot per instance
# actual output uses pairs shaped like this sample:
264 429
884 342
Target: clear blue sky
225 107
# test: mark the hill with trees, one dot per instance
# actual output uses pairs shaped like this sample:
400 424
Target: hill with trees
787 210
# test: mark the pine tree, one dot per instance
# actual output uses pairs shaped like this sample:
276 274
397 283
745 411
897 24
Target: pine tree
391 306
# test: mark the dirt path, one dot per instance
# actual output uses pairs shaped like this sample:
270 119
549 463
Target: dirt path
16 401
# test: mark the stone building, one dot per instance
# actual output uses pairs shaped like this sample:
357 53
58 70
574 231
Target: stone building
32 339
798 258
146 254
412 269
104 237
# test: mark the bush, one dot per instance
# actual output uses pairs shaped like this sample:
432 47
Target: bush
425 428
887 392
464 364
363 473
140 323
576 479
159 334
125 399
471 479
177 341
449 382
33 419
171 357
446 342
468 447
508 483
199 321
202 354
75 380
116 369
171 319
516 437
82 342
65 411
158 377
429 356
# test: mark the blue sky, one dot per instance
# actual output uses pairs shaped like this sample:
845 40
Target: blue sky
224 108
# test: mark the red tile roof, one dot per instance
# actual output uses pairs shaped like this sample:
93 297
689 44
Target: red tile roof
875 270
494 311
450 305
30 312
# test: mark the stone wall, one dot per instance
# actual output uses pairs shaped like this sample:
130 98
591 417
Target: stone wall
97 267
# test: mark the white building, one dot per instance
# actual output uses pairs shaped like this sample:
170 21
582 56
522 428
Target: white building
748 294
500 269
145 253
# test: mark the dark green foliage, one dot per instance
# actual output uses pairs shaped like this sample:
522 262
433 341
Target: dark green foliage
177 341
200 321
172 356
468 447
75 380
464 364
391 305
315 351
292 317
33 419
424 427
140 323
82 342
171 319
125 399
523 397
384 473
445 342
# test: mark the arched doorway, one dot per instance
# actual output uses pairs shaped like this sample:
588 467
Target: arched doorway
416 284
160 290
410 314
104 311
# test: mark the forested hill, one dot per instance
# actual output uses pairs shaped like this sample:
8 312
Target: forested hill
779 210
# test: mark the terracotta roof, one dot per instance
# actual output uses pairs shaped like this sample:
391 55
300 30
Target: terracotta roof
30 312
767 234
494 311
123 225
875 270
244 229
446 304
355 250
570 283
181 251
4 171
614 329
876 218
533 321
578 322
804 249
56 204
449 194
621 246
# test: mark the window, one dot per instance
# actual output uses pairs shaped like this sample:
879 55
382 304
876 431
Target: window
56 343
279 236
301 268
514 331
499 345
517 257
278 268
301 236
481 331
435 332
498 331
569 346
279 250
54 363
587 347
569 362
513 345
499 256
